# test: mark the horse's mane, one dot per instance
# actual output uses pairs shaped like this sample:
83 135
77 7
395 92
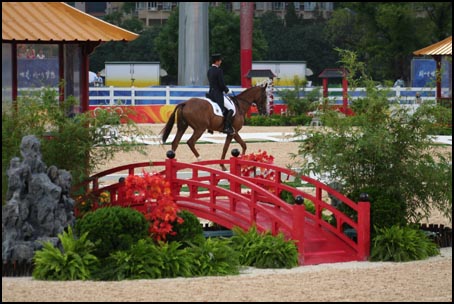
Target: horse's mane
249 91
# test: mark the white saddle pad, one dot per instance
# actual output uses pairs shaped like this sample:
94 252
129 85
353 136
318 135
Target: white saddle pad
228 104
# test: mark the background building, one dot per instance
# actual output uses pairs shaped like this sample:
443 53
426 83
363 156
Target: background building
156 13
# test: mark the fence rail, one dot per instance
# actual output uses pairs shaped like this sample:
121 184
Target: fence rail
172 95
154 104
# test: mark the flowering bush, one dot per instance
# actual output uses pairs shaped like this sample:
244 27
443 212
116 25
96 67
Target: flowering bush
84 204
87 202
262 157
153 191
104 198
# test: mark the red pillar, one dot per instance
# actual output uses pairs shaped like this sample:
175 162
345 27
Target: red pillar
14 82
84 69
61 72
298 230
246 27
325 87
438 76
363 233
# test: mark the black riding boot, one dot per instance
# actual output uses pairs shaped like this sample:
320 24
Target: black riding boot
228 123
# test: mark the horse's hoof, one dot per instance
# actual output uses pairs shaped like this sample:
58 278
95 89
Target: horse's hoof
199 158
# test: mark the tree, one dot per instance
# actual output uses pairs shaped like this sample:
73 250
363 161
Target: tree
273 31
73 137
385 34
291 18
167 45
440 15
140 49
224 37
389 156
297 40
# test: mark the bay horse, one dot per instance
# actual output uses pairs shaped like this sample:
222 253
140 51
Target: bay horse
198 114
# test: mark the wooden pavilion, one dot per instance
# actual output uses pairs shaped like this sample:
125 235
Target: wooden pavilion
74 33
437 51
336 73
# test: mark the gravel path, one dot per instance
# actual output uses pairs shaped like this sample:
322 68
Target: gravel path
428 280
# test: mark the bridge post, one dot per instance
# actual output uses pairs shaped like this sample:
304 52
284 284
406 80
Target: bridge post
298 227
235 169
171 176
363 234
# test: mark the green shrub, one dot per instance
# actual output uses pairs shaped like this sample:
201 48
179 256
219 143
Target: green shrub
297 104
74 262
263 250
386 208
147 260
213 257
67 139
113 228
438 118
382 148
401 244
177 261
188 231
141 261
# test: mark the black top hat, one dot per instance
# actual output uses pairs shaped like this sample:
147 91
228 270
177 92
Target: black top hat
216 57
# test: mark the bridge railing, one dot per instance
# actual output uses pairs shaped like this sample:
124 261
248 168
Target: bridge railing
228 205
358 218
231 198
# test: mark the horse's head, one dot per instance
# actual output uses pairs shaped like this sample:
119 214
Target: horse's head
260 100
255 95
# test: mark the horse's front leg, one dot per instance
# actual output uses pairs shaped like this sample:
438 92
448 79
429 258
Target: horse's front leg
228 140
241 142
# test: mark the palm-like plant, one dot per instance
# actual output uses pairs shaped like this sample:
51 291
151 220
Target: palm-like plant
74 262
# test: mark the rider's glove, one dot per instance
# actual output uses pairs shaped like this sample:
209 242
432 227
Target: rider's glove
228 92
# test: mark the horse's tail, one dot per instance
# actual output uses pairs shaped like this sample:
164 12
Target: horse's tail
165 132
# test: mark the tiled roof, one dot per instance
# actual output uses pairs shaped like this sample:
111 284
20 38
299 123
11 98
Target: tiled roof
56 21
260 73
443 47
333 73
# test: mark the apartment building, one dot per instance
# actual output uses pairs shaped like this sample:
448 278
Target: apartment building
157 13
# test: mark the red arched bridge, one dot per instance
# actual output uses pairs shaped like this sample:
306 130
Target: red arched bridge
231 198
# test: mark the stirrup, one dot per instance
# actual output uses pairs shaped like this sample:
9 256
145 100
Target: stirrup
228 131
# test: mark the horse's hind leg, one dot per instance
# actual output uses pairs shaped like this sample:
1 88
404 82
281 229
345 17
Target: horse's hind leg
191 142
178 136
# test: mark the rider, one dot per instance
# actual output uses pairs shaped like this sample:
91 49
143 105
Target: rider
217 87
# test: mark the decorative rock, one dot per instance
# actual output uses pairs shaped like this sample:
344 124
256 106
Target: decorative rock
38 205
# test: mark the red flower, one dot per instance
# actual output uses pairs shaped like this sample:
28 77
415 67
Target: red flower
257 171
153 191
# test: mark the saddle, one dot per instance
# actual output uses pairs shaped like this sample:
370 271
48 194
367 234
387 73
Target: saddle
228 104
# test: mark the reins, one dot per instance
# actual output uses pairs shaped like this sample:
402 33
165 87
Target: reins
237 101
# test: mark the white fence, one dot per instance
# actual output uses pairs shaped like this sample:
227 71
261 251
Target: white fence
172 95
